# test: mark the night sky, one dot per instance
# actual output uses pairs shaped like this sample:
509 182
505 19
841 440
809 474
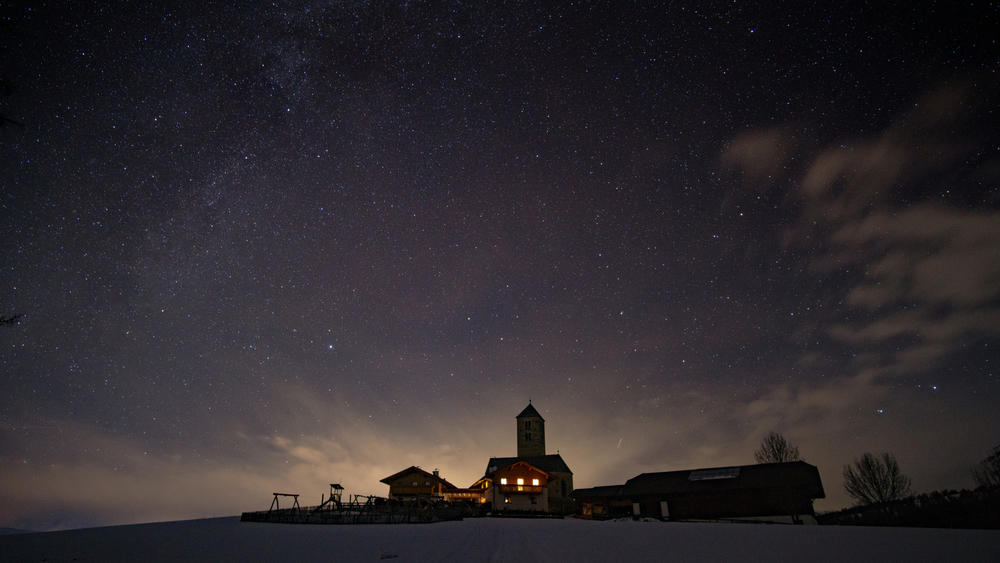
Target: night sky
267 246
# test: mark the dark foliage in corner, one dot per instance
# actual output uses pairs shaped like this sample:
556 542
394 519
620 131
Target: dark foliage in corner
979 509
987 472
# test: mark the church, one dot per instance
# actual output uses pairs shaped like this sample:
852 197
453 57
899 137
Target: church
531 482
521 483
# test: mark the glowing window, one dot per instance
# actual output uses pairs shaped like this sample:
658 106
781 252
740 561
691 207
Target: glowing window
414 483
520 481
534 482
503 480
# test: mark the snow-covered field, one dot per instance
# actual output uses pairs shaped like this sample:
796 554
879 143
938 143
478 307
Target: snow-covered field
499 540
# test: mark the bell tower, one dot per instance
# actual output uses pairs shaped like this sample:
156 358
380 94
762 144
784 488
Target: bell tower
530 433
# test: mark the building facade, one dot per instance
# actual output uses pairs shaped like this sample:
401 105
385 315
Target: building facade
520 487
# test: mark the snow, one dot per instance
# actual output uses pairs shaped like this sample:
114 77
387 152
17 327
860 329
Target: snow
499 540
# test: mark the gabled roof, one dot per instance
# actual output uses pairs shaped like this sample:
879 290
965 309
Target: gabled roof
414 469
596 492
795 475
526 464
529 412
480 483
547 463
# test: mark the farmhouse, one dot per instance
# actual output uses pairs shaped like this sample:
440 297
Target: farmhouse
519 486
413 482
775 492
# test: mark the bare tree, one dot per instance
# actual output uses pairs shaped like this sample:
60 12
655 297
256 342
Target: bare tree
875 479
987 472
775 449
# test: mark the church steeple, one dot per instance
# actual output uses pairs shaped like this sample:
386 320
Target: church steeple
530 433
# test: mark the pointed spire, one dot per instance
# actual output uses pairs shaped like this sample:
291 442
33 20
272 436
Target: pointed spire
529 412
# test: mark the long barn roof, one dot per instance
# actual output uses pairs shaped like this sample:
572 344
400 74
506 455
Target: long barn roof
796 475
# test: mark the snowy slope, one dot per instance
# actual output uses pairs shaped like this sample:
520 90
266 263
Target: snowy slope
500 540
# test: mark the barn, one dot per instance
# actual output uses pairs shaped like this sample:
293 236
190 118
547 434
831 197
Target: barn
774 492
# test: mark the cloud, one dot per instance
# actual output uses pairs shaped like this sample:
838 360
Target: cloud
106 480
112 479
762 156
925 276
914 279
928 254
844 181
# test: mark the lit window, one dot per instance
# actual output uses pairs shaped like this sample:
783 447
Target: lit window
503 480
520 481
534 482
506 500
414 483
427 483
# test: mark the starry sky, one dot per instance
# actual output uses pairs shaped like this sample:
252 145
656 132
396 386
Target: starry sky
267 246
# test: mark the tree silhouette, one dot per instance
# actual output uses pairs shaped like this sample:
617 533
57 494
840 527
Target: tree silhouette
775 449
9 321
987 472
875 479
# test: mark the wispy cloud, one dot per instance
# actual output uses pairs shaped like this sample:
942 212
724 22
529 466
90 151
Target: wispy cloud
917 272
